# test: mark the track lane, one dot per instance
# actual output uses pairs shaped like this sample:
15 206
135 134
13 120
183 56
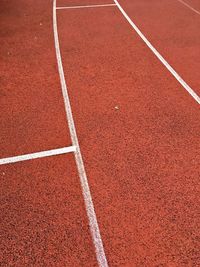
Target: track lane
193 3
133 121
32 110
145 206
190 7
176 36
43 218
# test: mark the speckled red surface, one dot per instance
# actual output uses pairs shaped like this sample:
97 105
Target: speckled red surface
139 134
193 3
142 158
174 31
32 110
43 219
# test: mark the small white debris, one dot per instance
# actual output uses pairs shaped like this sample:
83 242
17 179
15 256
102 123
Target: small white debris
116 107
3 173
40 23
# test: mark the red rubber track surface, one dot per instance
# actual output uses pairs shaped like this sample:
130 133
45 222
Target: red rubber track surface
173 29
32 109
193 3
43 220
142 159
138 131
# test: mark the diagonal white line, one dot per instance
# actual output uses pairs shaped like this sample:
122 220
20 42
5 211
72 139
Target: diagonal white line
196 11
38 155
86 6
158 55
94 227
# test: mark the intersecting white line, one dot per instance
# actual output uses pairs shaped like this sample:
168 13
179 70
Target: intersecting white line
86 6
38 155
94 227
190 7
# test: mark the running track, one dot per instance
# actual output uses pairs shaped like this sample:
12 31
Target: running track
115 182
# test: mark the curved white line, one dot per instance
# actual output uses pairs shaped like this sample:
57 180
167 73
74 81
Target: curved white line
94 228
158 55
196 11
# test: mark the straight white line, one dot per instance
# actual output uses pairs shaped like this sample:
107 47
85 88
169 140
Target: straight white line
87 6
94 228
38 155
165 63
196 11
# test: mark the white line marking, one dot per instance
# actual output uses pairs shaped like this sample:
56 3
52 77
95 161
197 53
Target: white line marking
38 155
165 63
196 11
94 228
88 6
